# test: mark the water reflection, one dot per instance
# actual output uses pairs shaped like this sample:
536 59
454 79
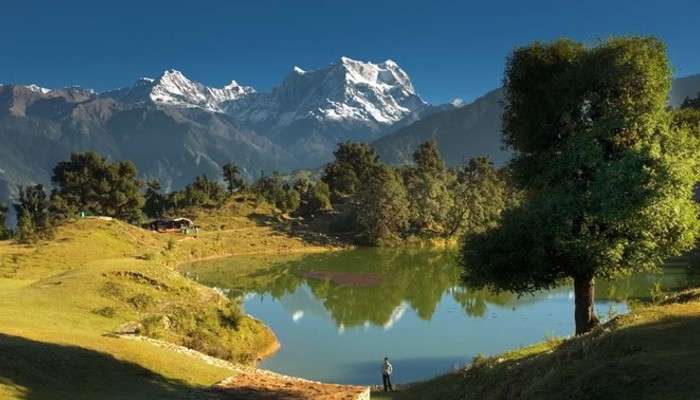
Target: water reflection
374 287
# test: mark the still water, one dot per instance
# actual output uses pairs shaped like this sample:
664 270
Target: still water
337 315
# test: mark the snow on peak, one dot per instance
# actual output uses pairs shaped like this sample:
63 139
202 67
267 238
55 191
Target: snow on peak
380 92
387 74
457 102
173 88
349 91
38 89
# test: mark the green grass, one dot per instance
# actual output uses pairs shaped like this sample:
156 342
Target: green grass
60 299
651 353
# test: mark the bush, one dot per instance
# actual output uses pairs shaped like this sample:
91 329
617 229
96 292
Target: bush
141 301
114 290
154 326
107 312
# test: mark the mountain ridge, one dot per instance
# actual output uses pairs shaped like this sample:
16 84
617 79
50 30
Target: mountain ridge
174 128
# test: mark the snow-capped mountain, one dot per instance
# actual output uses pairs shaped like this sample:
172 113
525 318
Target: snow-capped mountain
350 91
311 111
173 88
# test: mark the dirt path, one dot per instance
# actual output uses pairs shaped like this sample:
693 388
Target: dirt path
250 383
257 384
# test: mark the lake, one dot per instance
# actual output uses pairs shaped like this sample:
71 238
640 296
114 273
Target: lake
338 314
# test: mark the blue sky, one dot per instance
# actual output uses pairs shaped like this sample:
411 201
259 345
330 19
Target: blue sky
450 48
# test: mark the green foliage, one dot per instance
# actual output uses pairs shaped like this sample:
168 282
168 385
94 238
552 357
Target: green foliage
608 178
302 185
233 178
479 193
210 330
346 173
33 217
383 213
4 232
430 201
281 195
107 312
155 204
428 193
87 182
692 103
290 200
315 198
141 301
656 293
203 192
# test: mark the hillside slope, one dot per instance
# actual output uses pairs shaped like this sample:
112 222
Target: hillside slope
469 131
688 86
652 353
475 128
63 300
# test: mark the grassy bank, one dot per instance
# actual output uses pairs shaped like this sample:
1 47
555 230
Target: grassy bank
61 301
651 353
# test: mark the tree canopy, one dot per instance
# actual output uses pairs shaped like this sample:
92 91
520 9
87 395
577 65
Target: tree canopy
429 197
88 182
607 178
33 216
383 215
352 162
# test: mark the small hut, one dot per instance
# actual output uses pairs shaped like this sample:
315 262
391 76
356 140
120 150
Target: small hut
170 225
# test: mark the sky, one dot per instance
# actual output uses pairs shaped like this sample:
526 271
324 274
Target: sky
451 49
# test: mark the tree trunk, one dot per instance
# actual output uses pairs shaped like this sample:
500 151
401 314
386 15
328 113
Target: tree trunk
584 291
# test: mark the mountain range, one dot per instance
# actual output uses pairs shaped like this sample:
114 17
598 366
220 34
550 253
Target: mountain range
174 128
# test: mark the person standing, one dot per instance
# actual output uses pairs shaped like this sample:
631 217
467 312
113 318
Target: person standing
387 369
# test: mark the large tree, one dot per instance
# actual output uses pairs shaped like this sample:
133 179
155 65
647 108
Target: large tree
428 194
383 212
88 182
607 178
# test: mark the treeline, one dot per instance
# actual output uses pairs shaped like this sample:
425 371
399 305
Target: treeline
381 204
360 195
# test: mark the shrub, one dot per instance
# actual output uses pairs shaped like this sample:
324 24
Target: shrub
141 301
107 312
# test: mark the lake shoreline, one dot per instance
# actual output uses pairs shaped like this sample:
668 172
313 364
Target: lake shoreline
104 276
318 295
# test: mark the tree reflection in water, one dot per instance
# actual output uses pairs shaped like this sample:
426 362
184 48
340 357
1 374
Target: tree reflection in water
376 286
